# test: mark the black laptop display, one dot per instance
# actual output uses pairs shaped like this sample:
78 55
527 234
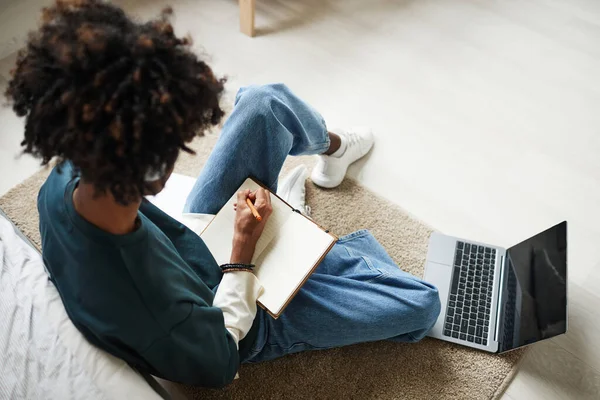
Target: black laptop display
535 290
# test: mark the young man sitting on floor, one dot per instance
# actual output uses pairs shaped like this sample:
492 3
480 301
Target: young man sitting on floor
115 101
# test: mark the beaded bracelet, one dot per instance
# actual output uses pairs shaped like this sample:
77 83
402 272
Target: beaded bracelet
226 271
237 267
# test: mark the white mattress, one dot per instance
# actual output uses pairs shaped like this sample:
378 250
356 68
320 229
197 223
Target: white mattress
42 354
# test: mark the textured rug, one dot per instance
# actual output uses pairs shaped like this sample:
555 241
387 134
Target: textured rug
430 369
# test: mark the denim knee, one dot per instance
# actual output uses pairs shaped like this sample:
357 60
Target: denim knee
260 106
429 310
259 97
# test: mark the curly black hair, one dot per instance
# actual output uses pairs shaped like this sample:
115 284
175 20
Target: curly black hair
117 98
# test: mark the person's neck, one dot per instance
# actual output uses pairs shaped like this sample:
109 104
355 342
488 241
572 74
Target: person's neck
103 210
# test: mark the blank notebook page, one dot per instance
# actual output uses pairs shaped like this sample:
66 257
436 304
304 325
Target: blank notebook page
286 252
288 260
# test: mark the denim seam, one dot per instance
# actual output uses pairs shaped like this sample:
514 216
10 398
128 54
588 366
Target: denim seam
295 344
383 274
320 147
353 235
327 143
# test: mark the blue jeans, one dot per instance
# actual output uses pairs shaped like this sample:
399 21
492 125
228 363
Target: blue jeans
357 293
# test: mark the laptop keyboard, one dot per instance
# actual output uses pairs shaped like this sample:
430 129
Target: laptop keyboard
468 312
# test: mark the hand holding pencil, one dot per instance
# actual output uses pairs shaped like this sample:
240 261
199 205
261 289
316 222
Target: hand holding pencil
250 198
252 210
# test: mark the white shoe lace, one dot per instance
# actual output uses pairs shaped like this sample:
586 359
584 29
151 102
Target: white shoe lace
353 138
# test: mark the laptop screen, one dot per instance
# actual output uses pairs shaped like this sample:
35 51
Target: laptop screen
534 289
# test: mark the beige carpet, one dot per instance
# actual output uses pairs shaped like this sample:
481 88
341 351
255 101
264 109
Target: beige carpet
430 369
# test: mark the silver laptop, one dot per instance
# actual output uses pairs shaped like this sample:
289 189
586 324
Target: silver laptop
497 299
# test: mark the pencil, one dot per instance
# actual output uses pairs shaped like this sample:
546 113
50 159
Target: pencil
253 209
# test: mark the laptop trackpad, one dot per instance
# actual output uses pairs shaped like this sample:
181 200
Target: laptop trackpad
441 249
439 275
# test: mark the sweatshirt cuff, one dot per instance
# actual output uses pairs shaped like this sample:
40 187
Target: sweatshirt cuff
236 297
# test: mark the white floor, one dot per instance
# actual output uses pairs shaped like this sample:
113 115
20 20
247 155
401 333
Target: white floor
486 114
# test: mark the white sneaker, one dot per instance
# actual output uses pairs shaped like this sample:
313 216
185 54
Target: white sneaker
331 170
292 189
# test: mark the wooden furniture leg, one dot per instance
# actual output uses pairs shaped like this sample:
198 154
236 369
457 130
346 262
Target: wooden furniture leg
247 16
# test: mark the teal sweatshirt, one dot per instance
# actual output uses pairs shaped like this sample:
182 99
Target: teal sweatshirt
145 297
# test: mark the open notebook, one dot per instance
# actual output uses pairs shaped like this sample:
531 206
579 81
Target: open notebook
288 251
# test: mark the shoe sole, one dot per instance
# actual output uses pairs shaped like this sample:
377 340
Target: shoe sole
326 183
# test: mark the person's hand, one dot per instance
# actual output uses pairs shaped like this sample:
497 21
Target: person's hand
247 229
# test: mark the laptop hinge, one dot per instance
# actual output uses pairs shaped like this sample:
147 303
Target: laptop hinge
499 298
